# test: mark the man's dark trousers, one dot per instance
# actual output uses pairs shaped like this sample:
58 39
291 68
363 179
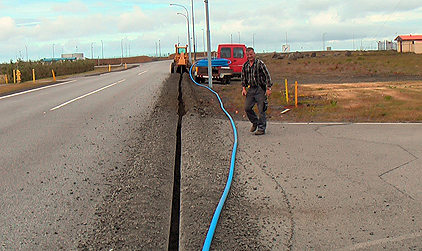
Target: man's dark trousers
256 95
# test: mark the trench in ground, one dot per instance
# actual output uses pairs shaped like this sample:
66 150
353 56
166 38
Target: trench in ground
175 209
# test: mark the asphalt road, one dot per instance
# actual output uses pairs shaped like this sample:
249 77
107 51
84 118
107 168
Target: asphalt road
56 144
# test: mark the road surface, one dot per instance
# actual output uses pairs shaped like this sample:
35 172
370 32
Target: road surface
57 146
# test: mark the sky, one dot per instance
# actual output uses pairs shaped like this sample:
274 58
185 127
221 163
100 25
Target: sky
43 29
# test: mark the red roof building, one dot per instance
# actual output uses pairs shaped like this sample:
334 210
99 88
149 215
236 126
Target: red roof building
410 43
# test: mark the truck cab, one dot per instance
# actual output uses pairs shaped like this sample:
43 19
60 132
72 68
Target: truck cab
236 53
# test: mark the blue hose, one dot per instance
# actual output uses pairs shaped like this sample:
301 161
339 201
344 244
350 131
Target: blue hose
213 225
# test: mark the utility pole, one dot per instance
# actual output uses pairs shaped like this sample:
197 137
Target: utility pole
193 32
253 40
207 17
187 19
323 41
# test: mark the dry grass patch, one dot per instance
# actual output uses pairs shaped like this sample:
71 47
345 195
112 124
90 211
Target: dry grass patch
359 102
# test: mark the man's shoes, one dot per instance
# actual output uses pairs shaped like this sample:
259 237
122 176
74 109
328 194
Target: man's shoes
260 132
253 128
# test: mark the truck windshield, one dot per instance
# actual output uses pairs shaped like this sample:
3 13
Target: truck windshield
182 50
238 52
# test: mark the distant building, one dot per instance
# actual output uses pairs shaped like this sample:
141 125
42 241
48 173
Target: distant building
64 57
73 55
387 45
410 43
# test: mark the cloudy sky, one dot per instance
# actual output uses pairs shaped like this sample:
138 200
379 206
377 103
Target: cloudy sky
38 28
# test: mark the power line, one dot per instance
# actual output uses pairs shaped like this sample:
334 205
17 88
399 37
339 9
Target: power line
387 19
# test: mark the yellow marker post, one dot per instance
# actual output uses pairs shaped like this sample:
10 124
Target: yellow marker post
33 75
125 66
7 80
14 76
54 75
287 91
296 93
18 76
109 68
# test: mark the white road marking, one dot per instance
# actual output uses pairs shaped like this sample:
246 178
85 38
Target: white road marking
86 95
41 88
142 73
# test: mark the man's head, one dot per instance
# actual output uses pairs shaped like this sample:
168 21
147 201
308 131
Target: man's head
250 54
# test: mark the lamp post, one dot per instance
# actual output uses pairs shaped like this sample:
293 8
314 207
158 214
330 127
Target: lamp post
361 48
323 41
187 20
92 51
239 36
253 40
121 45
193 31
26 50
203 40
102 49
53 51
207 18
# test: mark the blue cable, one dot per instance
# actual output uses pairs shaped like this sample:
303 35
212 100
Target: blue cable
214 221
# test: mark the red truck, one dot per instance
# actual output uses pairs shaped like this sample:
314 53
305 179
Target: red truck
235 53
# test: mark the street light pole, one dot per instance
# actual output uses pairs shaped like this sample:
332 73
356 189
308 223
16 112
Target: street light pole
203 40
187 18
187 21
193 31
121 45
253 40
26 50
159 47
239 36
102 49
361 48
323 41
92 51
207 17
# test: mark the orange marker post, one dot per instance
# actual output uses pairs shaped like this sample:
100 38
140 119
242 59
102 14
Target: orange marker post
54 75
287 90
33 75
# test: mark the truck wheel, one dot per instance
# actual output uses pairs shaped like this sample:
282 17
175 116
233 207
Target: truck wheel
226 80
172 68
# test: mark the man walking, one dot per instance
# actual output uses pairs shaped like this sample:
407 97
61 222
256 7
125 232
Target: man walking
256 78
